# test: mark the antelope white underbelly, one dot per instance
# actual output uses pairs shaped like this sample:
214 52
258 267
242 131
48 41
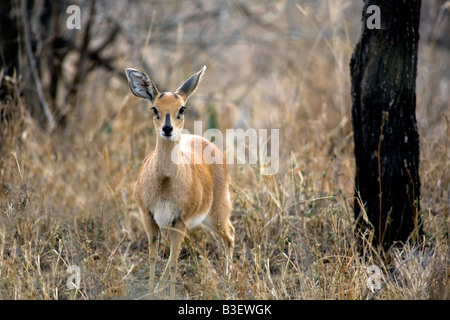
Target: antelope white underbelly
198 220
164 213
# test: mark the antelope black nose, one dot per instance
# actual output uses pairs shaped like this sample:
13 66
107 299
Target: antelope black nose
167 129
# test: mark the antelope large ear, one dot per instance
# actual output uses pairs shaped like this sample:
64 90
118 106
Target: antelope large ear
190 85
141 85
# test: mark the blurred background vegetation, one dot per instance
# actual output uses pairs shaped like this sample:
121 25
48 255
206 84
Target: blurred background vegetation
72 138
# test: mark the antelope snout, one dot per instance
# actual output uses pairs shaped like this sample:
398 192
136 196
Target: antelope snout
167 129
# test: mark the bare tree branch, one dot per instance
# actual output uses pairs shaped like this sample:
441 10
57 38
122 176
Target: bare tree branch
32 60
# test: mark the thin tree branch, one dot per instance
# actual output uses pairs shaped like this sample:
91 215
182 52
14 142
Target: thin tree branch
32 60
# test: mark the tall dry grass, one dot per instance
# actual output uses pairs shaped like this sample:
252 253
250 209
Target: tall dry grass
66 199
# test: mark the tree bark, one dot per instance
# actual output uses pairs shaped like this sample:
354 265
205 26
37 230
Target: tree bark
383 71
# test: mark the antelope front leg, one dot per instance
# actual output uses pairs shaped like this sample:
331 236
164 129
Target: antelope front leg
176 237
152 230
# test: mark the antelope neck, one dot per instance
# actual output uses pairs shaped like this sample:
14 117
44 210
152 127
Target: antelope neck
163 153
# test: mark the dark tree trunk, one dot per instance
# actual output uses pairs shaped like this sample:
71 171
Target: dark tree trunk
9 46
383 71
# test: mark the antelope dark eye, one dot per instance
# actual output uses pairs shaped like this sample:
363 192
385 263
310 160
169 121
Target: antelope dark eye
180 112
155 112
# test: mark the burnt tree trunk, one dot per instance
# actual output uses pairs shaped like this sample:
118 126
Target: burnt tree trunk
383 71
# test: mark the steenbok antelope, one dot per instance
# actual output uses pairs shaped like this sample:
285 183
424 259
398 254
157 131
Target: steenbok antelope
173 195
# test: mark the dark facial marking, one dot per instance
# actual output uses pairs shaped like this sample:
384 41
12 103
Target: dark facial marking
167 129
167 123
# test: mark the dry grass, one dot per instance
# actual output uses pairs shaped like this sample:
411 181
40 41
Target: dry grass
66 199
